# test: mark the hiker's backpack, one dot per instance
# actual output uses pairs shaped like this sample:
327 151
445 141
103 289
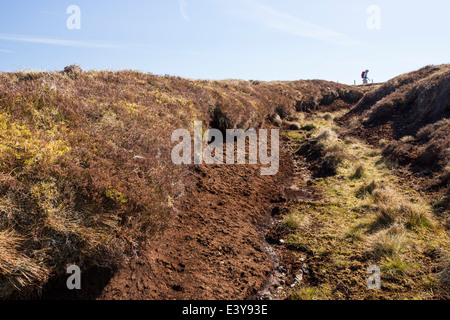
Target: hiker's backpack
363 74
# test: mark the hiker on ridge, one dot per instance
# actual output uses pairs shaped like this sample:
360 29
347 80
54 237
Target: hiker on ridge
365 76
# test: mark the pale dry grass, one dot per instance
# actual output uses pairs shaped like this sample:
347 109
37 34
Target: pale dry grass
445 266
18 271
297 221
389 242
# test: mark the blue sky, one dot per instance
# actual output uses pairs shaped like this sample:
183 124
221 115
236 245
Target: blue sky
220 39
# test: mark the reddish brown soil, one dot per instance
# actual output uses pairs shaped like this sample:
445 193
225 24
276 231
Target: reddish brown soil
213 248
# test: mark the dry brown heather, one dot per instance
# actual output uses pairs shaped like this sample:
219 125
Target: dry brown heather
85 169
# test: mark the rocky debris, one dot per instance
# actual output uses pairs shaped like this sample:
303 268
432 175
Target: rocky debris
305 268
282 269
298 278
277 120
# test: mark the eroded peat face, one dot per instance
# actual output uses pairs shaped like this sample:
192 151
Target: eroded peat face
211 147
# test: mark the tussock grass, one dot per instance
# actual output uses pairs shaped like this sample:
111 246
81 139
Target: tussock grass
366 189
385 215
371 220
359 171
332 150
384 195
296 221
394 267
389 243
416 216
327 138
322 292
391 207
17 271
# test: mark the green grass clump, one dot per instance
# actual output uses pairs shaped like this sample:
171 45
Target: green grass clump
322 292
296 221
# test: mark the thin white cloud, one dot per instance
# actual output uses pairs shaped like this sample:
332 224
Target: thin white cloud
52 13
56 42
288 23
183 7
6 51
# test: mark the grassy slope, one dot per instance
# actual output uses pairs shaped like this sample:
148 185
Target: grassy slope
409 115
365 216
85 170
385 167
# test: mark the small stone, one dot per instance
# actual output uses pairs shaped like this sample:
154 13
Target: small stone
282 269
277 120
305 269
281 241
